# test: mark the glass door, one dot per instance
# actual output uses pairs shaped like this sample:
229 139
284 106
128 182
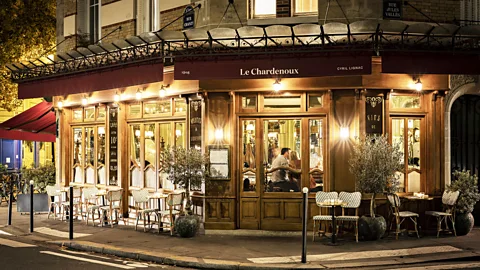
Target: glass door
408 132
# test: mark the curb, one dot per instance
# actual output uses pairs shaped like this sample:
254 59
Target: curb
174 260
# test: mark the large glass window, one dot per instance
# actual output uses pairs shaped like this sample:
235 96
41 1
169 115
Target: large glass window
248 156
282 148
316 129
305 7
94 19
264 8
146 142
88 162
407 132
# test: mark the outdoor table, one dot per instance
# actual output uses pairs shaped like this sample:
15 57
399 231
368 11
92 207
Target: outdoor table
333 204
158 196
418 200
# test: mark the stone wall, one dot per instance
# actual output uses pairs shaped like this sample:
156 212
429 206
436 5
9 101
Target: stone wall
441 11
70 7
127 30
170 15
284 8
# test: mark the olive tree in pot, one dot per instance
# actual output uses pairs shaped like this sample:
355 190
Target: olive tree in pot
186 167
467 185
374 163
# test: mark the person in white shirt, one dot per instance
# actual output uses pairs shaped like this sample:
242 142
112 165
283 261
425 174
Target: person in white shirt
281 161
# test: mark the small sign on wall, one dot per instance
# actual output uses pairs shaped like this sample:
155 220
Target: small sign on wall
374 115
113 145
189 18
392 10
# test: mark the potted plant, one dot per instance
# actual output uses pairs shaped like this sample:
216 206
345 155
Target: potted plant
467 185
374 163
186 168
42 176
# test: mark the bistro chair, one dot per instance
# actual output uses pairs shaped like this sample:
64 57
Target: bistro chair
77 204
449 200
140 198
54 193
353 201
320 197
114 206
90 201
400 216
175 207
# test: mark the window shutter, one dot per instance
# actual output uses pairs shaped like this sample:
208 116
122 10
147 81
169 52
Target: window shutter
141 8
82 20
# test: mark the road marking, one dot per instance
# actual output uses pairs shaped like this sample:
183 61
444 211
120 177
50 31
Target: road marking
358 255
5 233
443 266
57 233
86 260
86 254
14 244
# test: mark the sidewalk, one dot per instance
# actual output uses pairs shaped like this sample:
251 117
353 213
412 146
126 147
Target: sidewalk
243 249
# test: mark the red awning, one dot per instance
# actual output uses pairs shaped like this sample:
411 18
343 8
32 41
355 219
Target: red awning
92 81
34 124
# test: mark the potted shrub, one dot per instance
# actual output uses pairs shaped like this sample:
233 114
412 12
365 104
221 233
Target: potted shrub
186 168
42 177
374 163
467 185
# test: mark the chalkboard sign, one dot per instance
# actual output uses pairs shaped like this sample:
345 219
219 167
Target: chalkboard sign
113 145
40 203
196 124
189 18
374 115
392 10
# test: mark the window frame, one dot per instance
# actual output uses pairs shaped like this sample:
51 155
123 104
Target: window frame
301 14
263 16
94 25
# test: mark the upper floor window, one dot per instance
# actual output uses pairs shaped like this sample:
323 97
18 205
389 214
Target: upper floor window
94 20
305 7
148 17
264 8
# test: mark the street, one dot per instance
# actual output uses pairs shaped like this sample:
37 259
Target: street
18 254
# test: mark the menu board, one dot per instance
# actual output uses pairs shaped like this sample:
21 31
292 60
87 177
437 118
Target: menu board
113 145
374 115
196 124
219 162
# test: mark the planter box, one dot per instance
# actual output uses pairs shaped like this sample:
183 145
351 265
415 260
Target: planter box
40 203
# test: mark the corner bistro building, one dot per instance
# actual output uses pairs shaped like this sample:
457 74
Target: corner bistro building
216 91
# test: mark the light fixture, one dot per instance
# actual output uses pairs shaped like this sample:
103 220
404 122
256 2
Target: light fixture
418 85
60 104
162 92
138 95
250 127
219 134
116 97
277 85
84 100
178 133
344 132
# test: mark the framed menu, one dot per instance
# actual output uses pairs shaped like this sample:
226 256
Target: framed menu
219 156
113 145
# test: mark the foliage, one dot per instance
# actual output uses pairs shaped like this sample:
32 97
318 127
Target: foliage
374 163
42 176
468 186
27 31
186 168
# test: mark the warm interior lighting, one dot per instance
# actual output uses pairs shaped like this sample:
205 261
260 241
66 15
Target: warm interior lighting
219 134
84 100
162 93
60 104
250 127
418 85
101 130
277 85
178 133
116 97
138 95
344 133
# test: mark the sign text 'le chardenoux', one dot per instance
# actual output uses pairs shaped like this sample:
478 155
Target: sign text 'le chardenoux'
273 71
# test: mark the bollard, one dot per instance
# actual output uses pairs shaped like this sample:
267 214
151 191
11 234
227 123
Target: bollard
10 203
31 206
304 225
70 234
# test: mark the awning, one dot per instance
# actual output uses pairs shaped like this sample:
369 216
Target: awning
34 124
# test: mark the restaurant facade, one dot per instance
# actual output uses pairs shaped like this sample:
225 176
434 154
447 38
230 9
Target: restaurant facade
241 95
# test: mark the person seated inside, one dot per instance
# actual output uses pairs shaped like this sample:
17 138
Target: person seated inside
280 182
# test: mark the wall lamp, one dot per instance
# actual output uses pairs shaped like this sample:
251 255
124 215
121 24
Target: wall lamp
163 90
418 85
85 100
219 134
138 95
60 104
277 85
116 97
344 133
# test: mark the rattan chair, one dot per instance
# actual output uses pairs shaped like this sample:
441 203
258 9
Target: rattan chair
140 198
77 204
400 216
353 201
175 206
90 202
53 193
449 200
113 207
320 197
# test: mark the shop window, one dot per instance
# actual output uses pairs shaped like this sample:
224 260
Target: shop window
248 156
305 7
315 101
89 114
316 173
249 102
282 102
102 113
282 149
148 16
264 8
89 154
405 102
101 170
135 110
157 108
180 106
78 114
135 166
180 134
